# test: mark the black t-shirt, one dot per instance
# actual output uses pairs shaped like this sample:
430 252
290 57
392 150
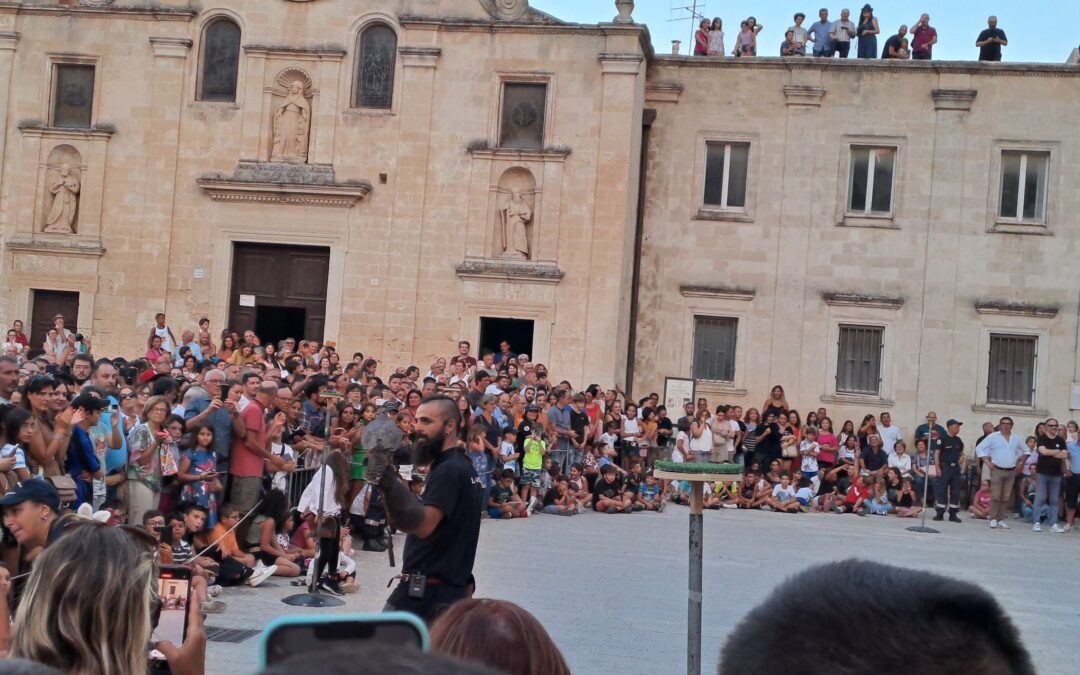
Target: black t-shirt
769 445
448 553
1046 465
893 42
550 496
579 422
502 495
992 51
742 428
664 425
609 490
951 450
874 460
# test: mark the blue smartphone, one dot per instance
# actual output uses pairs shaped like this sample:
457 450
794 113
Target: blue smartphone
290 635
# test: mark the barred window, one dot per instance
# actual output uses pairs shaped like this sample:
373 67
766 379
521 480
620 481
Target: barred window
858 361
522 123
714 348
725 174
375 67
220 66
1011 376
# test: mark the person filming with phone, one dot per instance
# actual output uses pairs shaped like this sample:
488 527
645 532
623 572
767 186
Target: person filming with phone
444 525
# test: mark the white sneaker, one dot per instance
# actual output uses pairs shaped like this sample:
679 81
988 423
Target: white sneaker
260 575
213 591
212 607
1003 525
1066 527
1036 527
993 524
1057 528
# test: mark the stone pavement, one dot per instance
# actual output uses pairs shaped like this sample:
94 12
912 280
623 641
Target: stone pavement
611 590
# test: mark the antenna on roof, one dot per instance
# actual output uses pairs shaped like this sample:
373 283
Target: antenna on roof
688 10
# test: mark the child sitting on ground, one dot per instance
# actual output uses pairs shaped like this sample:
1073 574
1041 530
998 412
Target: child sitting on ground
610 495
748 493
980 507
783 496
504 503
857 494
649 494
907 502
579 486
879 504
559 500
679 491
826 501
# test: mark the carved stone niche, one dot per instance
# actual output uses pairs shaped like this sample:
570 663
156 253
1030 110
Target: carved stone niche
61 192
289 124
515 217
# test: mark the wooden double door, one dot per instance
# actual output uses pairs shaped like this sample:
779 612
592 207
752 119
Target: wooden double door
279 291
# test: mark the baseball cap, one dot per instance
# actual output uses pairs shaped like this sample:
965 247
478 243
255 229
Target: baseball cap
89 403
952 422
35 490
532 407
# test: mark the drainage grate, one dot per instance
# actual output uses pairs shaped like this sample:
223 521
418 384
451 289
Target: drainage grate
234 635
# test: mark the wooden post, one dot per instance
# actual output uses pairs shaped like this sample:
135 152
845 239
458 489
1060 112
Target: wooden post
693 633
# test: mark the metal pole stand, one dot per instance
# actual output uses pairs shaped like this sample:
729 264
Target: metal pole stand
926 483
313 598
693 602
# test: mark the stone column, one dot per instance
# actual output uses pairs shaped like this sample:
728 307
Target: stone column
407 215
600 345
8 40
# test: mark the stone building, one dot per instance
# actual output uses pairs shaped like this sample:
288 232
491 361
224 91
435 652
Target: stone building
394 175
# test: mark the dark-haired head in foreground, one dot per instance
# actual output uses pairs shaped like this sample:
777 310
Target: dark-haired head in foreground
858 616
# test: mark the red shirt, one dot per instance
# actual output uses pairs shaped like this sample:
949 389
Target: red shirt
242 461
923 36
854 493
467 360
21 339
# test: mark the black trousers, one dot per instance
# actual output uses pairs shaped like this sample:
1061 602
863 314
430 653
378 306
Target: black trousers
842 48
437 599
950 482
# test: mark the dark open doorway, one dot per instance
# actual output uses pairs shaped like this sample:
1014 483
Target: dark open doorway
518 332
47 304
277 323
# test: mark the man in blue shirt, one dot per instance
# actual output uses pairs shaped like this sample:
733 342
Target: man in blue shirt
220 414
188 340
819 35
559 416
103 378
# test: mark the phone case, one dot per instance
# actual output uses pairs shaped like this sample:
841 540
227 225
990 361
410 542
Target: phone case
380 617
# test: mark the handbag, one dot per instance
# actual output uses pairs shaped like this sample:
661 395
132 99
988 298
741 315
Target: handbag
65 485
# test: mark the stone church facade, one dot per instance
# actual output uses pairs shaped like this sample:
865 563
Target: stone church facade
396 175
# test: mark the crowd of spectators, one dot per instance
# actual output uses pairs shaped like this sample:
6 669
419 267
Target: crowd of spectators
828 39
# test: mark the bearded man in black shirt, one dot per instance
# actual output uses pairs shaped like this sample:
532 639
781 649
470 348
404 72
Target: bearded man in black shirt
444 525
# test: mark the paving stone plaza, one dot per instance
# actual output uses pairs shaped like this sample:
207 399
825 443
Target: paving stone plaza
611 590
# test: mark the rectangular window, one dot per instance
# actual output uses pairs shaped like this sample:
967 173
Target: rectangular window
522 123
1011 376
73 95
858 361
725 175
714 348
871 185
1023 186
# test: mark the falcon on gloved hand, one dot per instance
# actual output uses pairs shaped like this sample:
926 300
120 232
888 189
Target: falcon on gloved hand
381 438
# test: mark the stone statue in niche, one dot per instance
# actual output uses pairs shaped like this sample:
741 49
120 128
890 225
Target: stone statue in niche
515 219
292 122
64 188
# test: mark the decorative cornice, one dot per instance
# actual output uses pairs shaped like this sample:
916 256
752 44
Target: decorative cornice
8 40
170 48
621 64
312 53
874 65
717 292
513 271
419 57
281 183
553 154
803 95
73 246
953 99
862 300
663 92
128 12
100 132
1015 309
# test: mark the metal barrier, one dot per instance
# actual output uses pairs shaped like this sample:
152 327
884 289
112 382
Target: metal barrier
297 481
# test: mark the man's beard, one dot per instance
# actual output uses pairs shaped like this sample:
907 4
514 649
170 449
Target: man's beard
427 450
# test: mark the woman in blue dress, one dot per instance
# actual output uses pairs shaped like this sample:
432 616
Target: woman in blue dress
867 31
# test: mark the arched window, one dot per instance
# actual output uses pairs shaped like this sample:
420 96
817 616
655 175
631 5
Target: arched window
220 61
375 67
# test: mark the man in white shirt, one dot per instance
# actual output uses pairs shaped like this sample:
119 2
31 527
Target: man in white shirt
1005 451
889 432
841 33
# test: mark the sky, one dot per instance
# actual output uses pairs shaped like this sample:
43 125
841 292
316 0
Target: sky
1039 31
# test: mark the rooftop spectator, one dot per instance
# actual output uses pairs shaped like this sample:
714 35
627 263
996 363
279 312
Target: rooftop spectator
820 35
990 41
867 31
841 32
925 38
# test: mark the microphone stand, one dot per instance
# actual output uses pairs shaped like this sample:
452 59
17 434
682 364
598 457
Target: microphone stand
926 481
313 598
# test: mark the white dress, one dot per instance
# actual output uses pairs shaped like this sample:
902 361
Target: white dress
716 43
